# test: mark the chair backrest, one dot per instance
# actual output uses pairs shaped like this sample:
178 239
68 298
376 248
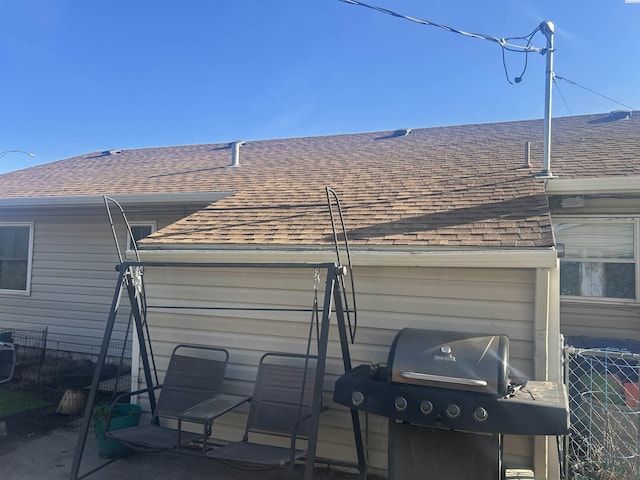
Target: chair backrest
279 406
195 373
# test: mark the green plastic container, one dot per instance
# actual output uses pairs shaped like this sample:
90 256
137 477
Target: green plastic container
124 415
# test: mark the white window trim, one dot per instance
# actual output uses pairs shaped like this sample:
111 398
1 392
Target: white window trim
635 220
31 226
153 224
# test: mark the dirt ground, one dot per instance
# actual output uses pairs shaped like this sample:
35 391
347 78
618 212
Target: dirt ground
24 426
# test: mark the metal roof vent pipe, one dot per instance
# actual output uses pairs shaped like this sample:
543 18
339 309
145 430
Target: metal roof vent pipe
235 152
527 154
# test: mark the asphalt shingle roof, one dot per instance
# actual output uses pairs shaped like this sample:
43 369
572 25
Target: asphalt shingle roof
459 186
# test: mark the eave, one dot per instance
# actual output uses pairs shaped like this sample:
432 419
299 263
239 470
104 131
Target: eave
593 186
478 258
143 199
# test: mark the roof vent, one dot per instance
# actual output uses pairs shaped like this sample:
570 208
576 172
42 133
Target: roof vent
620 114
235 152
527 154
111 152
403 132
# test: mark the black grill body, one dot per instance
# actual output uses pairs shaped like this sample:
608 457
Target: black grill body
456 383
536 409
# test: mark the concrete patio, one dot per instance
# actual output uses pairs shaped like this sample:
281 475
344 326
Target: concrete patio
50 456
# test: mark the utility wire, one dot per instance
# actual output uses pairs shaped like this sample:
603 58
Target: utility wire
504 43
528 38
592 91
555 84
500 41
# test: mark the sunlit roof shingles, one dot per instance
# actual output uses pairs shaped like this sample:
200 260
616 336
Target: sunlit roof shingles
462 185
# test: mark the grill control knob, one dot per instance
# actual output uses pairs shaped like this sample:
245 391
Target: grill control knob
480 414
426 407
453 410
400 404
357 398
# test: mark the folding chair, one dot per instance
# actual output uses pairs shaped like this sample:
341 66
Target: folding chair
191 392
280 406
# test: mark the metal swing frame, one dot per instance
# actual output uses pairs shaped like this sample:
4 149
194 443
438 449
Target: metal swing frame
130 280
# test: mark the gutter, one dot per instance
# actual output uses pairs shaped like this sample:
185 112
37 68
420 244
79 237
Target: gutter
189 198
525 258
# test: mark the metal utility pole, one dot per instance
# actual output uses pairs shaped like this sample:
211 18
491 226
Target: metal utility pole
547 29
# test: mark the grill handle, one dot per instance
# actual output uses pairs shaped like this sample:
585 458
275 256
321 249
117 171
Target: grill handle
472 382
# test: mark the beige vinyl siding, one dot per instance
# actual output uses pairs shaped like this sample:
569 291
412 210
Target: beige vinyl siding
476 300
595 317
600 320
73 275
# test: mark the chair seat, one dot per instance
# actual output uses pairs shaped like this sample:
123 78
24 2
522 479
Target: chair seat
193 379
152 437
247 452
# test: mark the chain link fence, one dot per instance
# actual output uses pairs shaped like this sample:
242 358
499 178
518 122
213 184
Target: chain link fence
603 443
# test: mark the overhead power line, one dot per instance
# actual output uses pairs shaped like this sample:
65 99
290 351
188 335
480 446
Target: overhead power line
555 84
505 43
592 91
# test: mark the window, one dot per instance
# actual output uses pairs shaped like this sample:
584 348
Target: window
140 231
600 258
16 241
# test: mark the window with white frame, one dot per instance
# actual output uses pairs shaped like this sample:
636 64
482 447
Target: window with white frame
140 230
16 246
600 257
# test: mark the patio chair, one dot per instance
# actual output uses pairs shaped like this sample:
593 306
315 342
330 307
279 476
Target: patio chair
280 407
191 392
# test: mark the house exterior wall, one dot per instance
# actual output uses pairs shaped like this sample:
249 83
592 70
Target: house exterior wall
594 317
600 320
474 299
73 273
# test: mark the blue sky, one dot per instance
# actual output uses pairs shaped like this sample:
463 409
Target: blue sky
78 76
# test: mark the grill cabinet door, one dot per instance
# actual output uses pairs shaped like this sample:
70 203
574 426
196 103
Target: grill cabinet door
424 453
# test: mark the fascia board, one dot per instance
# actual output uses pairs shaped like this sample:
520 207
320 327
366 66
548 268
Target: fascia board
526 258
593 186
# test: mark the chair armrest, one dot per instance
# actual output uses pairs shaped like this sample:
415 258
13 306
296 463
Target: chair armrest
136 392
212 408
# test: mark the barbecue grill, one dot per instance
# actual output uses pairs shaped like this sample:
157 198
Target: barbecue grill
450 398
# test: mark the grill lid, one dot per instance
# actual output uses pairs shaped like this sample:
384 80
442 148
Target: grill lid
452 360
